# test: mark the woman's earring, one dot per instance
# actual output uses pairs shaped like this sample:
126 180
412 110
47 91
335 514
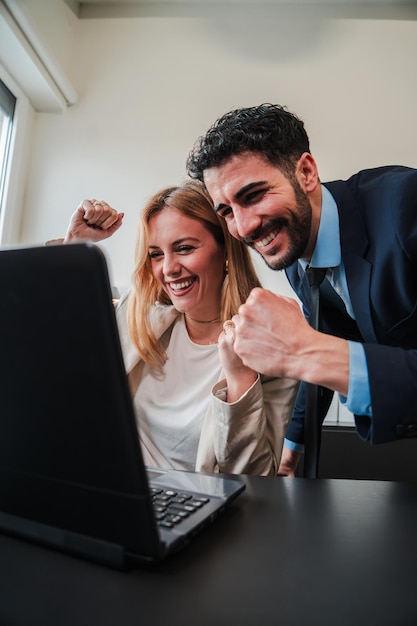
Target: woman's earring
226 267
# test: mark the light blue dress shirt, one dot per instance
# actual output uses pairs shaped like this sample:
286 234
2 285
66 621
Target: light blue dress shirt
327 253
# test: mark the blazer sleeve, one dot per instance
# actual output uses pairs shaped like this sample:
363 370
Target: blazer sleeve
246 437
392 360
393 382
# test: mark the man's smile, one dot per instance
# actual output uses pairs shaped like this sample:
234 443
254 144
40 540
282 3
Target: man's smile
262 243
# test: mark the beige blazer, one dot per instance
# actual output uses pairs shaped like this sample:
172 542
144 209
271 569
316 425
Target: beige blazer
245 437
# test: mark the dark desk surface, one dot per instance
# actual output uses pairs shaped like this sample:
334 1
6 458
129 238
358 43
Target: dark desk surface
289 552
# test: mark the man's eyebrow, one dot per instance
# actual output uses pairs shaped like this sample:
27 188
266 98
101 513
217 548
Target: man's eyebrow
242 192
249 187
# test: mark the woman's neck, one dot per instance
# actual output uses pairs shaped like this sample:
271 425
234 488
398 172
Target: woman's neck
201 321
203 331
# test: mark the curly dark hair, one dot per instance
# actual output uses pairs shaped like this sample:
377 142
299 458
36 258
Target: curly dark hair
268 130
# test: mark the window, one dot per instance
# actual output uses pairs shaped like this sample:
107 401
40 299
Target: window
7 107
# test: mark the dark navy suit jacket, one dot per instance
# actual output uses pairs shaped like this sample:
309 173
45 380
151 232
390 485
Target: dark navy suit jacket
378 235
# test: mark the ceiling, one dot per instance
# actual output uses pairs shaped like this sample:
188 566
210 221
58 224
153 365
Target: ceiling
366 9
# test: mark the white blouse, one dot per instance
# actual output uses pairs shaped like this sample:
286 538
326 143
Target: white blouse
171 408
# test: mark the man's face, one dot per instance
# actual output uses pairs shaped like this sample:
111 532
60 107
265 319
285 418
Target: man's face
262 207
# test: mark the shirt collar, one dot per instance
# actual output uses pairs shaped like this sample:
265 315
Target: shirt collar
326 252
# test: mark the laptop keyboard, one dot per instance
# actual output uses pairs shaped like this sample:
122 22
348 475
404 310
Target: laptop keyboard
171 507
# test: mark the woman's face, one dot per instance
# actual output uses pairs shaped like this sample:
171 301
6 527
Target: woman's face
187 262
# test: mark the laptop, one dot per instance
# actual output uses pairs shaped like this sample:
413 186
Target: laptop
71 472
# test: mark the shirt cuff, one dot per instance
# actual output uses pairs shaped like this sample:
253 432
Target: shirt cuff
295 447
358 400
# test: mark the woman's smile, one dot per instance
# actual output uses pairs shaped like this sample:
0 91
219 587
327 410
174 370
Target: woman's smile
181 285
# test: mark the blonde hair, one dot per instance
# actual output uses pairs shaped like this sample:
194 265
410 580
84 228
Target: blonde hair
192 200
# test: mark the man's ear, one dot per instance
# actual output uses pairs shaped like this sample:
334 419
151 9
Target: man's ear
306 173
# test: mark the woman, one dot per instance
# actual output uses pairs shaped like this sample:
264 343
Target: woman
197 405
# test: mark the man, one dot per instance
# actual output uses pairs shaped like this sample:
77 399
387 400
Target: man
257 166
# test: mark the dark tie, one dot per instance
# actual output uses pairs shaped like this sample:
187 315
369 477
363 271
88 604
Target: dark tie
312 427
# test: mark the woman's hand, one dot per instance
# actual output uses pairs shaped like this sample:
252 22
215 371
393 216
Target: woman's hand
93 221
239 377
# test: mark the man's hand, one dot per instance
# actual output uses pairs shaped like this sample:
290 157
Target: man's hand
271 333
289 462
274 338
93 221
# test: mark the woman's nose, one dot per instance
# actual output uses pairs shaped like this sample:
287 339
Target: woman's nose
171 266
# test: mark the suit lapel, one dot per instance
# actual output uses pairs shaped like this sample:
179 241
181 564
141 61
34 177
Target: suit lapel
354 244
358 276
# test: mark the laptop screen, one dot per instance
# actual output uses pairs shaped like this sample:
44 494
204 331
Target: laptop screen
68 438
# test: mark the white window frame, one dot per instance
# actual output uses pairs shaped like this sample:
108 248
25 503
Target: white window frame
16 169
7 106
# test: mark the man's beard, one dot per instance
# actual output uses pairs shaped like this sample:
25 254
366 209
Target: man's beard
298 228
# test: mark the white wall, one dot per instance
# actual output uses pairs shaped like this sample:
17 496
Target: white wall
147 87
